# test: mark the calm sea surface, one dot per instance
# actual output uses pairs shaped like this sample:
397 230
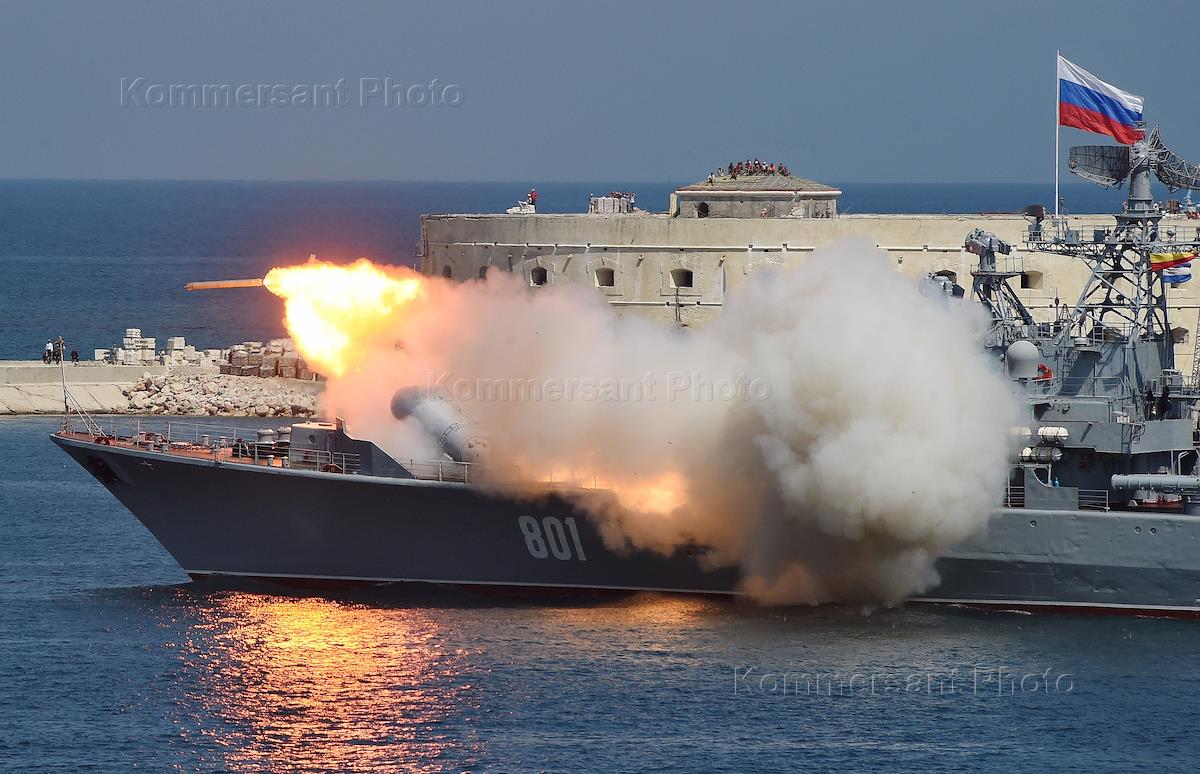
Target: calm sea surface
110 660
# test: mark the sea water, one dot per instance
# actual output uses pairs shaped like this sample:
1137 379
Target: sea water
110 659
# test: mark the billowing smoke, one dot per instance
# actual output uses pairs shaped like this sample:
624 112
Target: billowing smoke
831 433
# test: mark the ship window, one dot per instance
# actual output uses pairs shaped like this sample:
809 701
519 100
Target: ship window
538 276
483 272
447 272
605 278
702 210
1031 280
681 278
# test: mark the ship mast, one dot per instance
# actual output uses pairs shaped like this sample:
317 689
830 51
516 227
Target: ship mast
1125 298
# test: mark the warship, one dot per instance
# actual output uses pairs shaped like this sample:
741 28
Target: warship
1101 512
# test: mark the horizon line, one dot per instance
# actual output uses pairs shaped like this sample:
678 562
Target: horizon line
486 181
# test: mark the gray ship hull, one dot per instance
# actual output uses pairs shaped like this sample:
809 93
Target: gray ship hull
1102 561
314 528
240 520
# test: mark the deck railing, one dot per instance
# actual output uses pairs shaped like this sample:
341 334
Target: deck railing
1093 500
194 439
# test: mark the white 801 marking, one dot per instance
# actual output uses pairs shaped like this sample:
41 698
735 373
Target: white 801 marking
550 537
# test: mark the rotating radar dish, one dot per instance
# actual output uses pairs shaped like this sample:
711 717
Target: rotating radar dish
1174 172
1107 165
1110 165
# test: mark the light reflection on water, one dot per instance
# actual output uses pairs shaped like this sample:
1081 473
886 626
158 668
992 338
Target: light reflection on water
274 681
319 684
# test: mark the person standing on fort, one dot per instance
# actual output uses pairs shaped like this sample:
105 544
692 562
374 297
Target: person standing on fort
48 352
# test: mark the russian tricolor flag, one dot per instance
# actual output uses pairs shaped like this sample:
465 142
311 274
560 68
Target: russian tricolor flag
1088 103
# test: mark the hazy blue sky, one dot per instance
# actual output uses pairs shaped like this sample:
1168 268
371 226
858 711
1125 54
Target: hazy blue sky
846 91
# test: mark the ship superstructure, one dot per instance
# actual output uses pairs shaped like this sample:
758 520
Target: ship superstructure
1103 493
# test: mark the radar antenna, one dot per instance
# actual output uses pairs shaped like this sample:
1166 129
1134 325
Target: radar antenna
1173 171
1110 165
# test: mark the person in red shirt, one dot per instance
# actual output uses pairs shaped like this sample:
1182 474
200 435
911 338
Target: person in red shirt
533 196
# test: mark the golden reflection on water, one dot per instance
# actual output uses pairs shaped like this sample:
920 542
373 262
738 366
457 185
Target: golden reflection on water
310 683
307 683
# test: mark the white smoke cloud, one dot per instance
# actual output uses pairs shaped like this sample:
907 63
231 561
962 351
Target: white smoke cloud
865 434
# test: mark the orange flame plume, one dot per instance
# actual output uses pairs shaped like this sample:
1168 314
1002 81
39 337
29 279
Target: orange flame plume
333 310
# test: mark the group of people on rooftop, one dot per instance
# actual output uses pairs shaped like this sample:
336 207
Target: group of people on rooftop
755 167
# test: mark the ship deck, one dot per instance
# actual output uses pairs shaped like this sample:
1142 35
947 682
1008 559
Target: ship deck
226 444
218 443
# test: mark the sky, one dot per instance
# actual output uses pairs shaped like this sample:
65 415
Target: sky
847 91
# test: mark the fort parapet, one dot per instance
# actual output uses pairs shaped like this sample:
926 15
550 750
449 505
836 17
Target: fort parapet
681 269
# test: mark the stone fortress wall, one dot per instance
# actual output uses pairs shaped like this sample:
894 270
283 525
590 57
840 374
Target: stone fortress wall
681 270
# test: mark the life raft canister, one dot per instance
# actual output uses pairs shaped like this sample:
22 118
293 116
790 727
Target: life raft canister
1044 372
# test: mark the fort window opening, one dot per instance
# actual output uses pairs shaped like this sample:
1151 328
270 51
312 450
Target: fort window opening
702 210
605 278
483 272
952 276
538 276
447 272
681 278
1031 280
1179 335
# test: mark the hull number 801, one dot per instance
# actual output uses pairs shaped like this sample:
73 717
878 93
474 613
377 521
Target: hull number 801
552 536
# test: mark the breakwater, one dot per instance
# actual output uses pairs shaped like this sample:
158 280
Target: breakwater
29 387
223 395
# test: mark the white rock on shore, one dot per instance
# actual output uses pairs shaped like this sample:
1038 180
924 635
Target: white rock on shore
221 395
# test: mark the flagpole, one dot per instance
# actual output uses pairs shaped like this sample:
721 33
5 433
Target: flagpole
1057 121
